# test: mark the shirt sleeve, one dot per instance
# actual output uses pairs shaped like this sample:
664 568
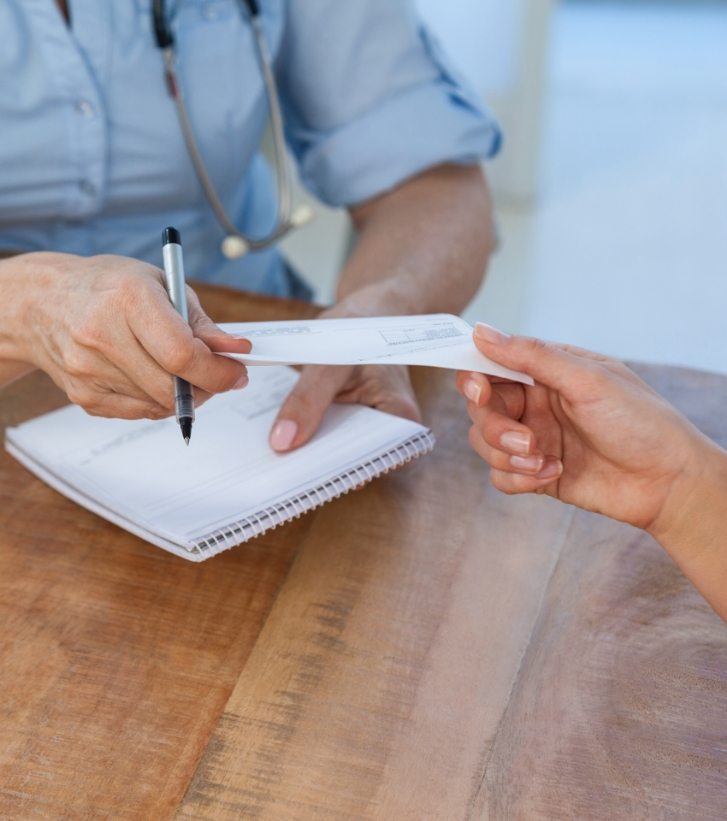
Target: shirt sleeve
370 99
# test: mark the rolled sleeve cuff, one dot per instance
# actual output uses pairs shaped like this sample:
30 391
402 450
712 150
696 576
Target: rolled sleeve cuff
419 128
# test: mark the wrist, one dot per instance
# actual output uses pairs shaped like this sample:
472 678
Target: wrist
695 500
24 280
692 529
14 313
385 298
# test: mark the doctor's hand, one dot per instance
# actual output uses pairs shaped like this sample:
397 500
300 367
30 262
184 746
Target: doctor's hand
590 432
386 387
105 331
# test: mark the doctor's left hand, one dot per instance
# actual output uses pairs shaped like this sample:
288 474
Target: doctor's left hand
385 387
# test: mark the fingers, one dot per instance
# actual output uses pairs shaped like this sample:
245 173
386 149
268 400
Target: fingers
496 409
501 432
123 407
480 389
504 459
110 356
386 388
499 437
174 348
545 481
301 413
553 365
100 400
504 443
211 334
507 459
475 387
513 473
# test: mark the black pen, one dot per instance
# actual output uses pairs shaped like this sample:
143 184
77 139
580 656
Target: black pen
176 286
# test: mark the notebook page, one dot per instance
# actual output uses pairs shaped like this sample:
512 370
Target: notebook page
95 506
142 472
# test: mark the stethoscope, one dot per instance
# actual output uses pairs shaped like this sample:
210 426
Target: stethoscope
235 244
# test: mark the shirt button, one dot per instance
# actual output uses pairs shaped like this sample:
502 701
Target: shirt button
86 108
87 187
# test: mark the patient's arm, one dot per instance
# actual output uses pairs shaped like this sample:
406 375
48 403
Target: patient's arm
591 433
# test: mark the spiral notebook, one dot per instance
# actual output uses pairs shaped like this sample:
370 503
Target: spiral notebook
228 486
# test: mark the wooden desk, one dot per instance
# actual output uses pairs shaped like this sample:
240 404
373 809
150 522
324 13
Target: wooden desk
424 648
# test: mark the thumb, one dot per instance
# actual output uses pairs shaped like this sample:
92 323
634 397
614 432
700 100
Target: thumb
549 364
301 413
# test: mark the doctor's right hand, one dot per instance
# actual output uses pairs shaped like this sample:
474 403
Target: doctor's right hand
105 331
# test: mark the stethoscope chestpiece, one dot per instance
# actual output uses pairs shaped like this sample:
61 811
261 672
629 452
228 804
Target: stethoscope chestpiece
234 246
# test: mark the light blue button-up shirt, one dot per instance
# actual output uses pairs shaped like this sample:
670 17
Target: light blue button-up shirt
92 159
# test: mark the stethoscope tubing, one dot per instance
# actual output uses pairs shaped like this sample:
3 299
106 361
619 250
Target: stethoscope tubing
240 242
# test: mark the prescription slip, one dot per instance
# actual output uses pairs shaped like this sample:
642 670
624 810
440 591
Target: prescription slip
436 340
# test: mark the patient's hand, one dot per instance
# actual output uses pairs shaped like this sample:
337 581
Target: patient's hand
590 432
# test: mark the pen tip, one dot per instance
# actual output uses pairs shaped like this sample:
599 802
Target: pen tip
185 424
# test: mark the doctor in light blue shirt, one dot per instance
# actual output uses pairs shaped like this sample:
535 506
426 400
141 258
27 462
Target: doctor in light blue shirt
94 165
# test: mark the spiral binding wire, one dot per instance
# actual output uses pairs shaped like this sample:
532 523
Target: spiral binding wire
260 522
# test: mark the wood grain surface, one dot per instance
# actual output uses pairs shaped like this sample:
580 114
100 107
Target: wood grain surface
424 648
620 710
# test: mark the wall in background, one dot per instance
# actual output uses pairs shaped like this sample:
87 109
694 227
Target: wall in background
625 248
502 48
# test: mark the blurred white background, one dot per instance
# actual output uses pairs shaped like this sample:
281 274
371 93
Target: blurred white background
612 186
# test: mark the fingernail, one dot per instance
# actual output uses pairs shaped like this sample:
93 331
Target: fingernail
472 390
552 470
245 340
533 463
242 382
283 434
489 334
516 441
